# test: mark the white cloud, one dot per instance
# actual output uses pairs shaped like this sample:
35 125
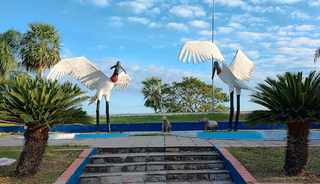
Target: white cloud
296 42
246 19
254 35
225 30
253 54
153 25
306 27
155 11
236 25
99 47
65 54
287 1
136 7
138 19
178 26
115 21
101 3
265 44
121 47
314 3
300 15
232 46
187 11
205 33
199 23
158 46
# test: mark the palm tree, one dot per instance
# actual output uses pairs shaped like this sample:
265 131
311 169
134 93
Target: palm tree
9 47
151 90
39 105
316 55
40 47
291 100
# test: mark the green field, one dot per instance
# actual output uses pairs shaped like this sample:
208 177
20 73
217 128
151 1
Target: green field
220 117
172 118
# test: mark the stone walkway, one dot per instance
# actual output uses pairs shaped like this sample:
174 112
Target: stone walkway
138 141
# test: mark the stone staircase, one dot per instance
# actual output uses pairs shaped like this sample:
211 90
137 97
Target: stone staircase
155 165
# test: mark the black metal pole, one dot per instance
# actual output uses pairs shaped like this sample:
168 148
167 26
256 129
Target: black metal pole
97 115
107 116
212 59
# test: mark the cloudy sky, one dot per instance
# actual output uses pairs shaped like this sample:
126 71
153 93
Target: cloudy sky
146 36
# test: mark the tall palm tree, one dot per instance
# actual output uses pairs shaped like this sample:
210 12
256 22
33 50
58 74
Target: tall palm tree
39 105
9 47
290 99
40 47
152 92
316 55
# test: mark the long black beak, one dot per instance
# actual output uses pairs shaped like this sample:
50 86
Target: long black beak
213 71
117 65
215 66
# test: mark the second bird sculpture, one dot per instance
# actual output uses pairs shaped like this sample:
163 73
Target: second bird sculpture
93 78
240 69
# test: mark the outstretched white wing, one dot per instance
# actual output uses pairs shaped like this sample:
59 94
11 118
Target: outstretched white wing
241 66
123 81
203 50
81 69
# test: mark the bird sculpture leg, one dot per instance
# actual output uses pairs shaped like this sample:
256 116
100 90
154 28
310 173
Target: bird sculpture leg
238 112
107 116
231 110
97 115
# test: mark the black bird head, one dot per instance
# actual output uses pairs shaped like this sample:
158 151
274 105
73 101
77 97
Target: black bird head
216 66
117 67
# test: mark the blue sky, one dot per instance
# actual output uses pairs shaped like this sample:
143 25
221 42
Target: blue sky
146 36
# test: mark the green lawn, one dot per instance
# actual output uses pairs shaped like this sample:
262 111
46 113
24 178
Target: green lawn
157 119
266 163
53 164
172 118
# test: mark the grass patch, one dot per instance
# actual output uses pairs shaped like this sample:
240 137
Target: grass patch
4 134
220 117
172 118
54 163
153 134
266 163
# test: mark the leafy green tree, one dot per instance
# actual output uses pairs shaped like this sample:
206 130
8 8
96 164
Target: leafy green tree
193 95
40 47
39 105
9 49
152 91
291 100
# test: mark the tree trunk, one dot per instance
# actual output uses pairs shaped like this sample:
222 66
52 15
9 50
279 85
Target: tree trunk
297 147
36 139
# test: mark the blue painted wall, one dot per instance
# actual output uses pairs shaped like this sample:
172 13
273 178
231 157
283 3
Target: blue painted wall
124 127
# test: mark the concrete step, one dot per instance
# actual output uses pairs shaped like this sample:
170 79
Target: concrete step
153 166
102 150
195 182
153 157
154 176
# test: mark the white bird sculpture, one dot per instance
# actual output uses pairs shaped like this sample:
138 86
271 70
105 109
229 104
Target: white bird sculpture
93 78
240 69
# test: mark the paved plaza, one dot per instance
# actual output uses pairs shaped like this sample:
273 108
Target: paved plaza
141 141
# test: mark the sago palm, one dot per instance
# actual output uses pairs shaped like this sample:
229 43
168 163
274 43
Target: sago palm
39 105
40 47
291 100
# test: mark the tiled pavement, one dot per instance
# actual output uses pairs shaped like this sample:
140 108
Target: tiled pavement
137 141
